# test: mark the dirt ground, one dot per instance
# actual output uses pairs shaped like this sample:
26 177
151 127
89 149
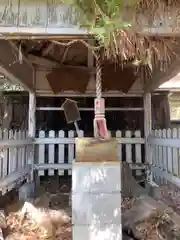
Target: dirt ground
52 194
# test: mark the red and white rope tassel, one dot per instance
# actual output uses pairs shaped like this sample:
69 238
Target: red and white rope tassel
100 128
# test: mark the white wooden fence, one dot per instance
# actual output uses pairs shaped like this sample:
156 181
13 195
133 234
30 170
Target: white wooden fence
165 149
15 158
56 151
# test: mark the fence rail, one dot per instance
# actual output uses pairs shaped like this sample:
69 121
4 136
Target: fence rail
56 150
165 146
15 158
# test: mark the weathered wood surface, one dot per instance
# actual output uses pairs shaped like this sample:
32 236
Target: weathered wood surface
22 13
49 15
160 111
44 17
18 72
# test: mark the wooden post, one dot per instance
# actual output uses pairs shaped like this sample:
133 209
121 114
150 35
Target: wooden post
32 115
32 124
147 131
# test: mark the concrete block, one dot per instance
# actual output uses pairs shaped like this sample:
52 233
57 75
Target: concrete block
105 232
102 208
96 177
26 191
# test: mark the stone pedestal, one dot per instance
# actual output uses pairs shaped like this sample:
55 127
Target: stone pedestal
96 200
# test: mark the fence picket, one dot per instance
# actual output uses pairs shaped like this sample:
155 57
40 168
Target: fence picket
12 154
19 150
51 153
69 141
1 155
5 155
156 150
179 154
15 151
156 159
160 150
70 150
128 148
153 149
165 164
119 148
169 152
138 155
61 152
26 149
41 153
175 154
23 150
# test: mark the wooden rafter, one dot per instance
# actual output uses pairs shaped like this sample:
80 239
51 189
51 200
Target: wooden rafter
20 72
43 62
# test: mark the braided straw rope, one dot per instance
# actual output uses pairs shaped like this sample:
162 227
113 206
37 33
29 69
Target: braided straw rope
100 129
98 76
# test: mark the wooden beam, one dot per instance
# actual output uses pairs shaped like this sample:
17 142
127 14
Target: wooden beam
17 71
25 33
14 79
32 110
32 125
136 109
47 93
147 116
42 61
41 36
49 64
32 115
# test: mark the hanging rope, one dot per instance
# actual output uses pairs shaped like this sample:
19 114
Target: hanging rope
100 129
98 76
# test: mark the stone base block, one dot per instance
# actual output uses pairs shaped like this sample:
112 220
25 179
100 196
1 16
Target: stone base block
102 208
96 177
106 232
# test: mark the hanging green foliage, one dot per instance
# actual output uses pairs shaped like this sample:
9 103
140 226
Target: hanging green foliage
103 18
116 24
